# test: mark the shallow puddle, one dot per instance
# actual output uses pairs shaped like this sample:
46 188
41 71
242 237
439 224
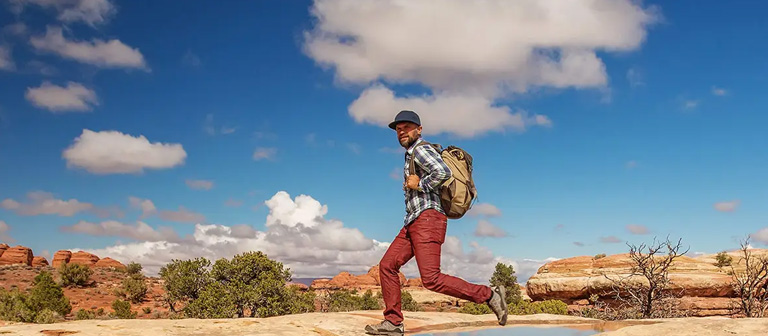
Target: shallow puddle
521 331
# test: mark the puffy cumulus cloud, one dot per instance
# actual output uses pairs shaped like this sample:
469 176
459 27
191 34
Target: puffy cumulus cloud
141 231
146 206
4 236
73 97
469 54
91 12
298 234
6 60
727 206
148 209
112 152
761 236
44 203
104 54
484 209
487 229
461 114
637 229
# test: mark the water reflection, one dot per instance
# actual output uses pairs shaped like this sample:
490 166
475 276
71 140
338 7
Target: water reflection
520 331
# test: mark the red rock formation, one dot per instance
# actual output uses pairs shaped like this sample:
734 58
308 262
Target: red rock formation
39 261
61 257
374 273
415 282
84 258
3 247
319 283
17 255
301 286
109 262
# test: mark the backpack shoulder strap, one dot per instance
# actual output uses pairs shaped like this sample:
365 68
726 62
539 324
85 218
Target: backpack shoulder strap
411 165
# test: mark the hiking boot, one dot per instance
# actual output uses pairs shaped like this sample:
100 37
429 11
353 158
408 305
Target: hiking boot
385 328
498 303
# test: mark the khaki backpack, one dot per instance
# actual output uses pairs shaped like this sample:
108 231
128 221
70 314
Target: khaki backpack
458 192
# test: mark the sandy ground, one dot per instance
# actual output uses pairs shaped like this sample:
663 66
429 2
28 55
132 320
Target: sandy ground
352 323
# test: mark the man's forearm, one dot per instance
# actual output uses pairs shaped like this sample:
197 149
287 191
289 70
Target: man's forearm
437 171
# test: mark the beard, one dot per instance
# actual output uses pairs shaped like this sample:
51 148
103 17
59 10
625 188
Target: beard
407 141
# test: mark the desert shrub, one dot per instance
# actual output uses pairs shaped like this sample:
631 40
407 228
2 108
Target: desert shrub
599 256
47 294
475 309
299 301
184 280
47 316
134 289
133 268
504 275
122 310
556 307
74 275
14 306
343 300
83 314
408 303
751 283
146 310
214 301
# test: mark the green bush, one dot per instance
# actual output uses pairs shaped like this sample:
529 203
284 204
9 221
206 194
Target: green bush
475 309
146 310
505 275
122 310
83 314
133 268
723 259
184 280
47 294
47 316
600 256
14 306
75 275
300 302
134 289
408 303
215 301
556 307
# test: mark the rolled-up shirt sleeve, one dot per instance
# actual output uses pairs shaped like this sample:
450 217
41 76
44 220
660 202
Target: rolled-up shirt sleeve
437 172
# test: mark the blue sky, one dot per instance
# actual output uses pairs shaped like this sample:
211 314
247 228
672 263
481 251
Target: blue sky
651 119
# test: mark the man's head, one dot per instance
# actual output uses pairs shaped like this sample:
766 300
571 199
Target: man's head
407 126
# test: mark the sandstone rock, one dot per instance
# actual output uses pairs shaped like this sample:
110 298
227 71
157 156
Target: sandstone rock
84 258
374 272
3 247
109 262
349 281
301 286
579 277
17 255
61 257
39 261
415 282
319 284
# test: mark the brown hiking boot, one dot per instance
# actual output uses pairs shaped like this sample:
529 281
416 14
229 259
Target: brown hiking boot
385 328
498 303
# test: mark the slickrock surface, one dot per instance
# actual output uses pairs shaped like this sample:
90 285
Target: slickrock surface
573 280
324 324
109 262
697 327
17 255
84 258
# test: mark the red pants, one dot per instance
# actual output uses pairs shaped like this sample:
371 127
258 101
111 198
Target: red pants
423 239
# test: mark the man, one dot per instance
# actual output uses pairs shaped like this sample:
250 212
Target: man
423 234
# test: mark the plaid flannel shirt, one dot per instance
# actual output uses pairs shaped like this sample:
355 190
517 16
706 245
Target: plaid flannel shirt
432 172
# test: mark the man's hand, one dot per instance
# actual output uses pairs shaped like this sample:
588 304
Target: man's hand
412 182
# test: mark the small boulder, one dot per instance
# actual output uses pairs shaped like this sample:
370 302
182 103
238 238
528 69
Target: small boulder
84 258
109 262
39 262
17 255
60 258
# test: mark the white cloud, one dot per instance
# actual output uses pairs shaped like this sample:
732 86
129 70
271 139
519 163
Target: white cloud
690 104
4 236
141 231
210 128
263 153
637 229
487 229
727 206
199 184
761 236
44 203
91 12
16 29
182 215
524 45
719 91
73 97
146 206
298 234
610 240
6 60
484 209
105 54
634 77
112 152
461 114
631 164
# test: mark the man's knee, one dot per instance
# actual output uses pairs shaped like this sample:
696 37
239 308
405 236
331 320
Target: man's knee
430 281
388 265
